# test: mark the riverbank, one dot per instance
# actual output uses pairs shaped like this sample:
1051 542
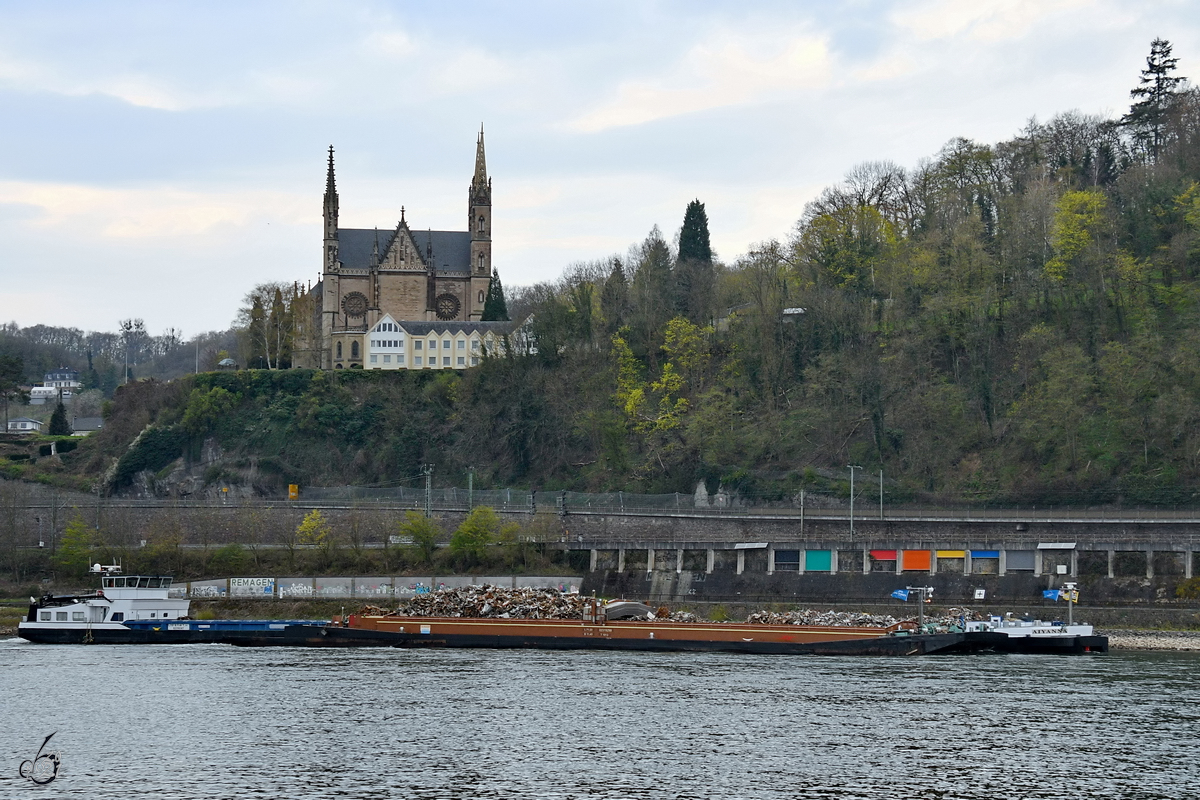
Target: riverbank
1152 640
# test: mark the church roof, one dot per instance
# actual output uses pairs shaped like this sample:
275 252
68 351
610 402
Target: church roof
440 327
451 249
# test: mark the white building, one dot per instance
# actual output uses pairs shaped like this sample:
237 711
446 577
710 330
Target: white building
432 345
24 425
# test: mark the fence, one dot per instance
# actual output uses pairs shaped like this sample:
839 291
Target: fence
361 588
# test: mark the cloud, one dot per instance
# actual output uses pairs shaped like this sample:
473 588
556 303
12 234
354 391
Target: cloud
981 22
728 72
150 212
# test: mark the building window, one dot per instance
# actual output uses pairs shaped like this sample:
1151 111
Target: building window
462 344
446 345
462 361
400 359
481 224
339 349
481 262
354 349
417 362
375 358
474 345
433 344
474 361
418 344
445 361
386 358
481 298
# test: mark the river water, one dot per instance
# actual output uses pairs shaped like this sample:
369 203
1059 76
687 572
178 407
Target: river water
216 721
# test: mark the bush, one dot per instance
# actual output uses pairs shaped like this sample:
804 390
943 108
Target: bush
1189 589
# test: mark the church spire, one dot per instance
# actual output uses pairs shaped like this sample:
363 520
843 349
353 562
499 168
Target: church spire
480 179
330 184
331 217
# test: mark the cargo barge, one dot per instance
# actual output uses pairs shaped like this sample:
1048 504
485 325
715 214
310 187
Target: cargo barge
595 632
136 609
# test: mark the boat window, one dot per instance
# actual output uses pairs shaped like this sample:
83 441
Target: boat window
60 616
107 583
151 615
78 616
44 616
154 583
118 616
143 583
166 583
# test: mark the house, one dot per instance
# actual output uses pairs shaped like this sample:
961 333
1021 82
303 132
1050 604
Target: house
82 426
62 378
24 425
40 395
392 344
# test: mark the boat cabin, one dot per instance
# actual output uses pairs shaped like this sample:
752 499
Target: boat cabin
121 598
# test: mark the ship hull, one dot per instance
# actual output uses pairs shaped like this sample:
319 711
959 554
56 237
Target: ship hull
1047 645
639 636
189 632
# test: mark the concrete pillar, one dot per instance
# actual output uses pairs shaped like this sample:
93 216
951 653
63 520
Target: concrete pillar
620 559
712 561
966 562
592 565
833 562
866 561
1074 563
1149 563
1187 563
899 561
649 559
1037 562
770 560
1003 562
933 562
803 558
1112 556
679 561
741 565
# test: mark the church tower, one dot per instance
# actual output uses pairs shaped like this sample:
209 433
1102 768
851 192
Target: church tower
479 223
330 282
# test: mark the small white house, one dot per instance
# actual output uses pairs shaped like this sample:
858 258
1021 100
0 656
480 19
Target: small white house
62 378
40 395
24 425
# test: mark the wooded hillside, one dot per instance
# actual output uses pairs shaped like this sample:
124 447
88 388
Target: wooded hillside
1015 322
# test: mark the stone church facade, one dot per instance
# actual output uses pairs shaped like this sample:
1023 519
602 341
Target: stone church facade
403 273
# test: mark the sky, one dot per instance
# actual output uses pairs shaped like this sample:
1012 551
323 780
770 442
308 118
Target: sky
162 158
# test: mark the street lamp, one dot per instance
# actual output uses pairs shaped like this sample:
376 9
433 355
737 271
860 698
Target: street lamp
852 467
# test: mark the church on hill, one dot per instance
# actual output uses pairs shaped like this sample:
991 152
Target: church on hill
372 278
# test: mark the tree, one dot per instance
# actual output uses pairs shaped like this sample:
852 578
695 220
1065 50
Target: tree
479 530
423 532
58 421
694 266
614 299
1155 92
313 530
74 553
495 309
12 372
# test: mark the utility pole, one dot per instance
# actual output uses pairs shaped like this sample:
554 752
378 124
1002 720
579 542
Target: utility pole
881 494
427 471
852 467
470 489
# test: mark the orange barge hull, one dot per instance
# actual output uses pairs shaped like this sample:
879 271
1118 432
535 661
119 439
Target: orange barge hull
372 631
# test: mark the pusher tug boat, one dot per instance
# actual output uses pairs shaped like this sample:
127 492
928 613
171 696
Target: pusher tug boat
596 631
134 609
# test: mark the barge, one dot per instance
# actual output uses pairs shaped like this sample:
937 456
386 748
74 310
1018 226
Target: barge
1009 635
136 609
594 631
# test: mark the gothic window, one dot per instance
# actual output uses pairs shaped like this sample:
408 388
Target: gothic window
481 297
354 349
481 262
339 349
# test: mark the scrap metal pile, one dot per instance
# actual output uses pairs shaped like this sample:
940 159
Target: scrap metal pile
523 603
489 602
856 619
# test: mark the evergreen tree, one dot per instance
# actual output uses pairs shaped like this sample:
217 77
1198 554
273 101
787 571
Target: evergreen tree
58 421
694 267
496 308
1154 94
614 299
